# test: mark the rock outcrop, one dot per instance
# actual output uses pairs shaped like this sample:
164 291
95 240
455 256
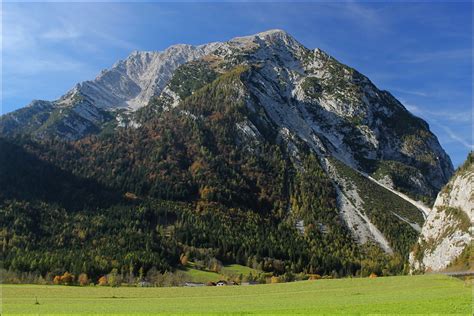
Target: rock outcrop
448 228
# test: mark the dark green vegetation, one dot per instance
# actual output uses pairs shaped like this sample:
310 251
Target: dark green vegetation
463 170
376 198
312 87
401 175
184 182
430 294
190 77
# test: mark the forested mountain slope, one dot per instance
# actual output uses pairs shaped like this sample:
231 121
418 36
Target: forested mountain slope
250 151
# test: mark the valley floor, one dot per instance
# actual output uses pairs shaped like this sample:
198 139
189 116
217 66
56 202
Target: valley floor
427 294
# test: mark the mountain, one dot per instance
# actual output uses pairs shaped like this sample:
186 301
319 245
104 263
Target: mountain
446 235
86 108
256 150
335 109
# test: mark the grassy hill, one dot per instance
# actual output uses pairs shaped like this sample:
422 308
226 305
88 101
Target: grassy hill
404 295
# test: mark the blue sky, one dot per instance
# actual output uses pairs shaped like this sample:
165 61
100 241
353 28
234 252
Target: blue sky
421 52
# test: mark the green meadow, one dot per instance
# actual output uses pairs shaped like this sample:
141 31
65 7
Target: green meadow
227 271
427 294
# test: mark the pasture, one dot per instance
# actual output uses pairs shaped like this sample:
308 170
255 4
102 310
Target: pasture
204 276
427 294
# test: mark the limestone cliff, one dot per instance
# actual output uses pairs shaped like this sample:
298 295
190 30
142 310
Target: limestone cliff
447 230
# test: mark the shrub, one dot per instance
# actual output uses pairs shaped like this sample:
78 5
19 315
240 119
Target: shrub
215 265
184 259
114 279
57 280
314 277
102 280
67 278
275 279
83 279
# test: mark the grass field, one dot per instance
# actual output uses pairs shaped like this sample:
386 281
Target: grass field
237 269
430 294
201 276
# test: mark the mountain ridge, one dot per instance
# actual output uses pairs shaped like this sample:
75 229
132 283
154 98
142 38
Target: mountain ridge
344 97
259 128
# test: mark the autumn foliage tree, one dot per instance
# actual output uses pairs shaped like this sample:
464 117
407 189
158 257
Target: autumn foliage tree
184 259
314 277
83 279
102 280
67 278
57 280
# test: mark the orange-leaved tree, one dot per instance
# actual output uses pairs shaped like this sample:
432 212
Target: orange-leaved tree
184 259
103 280
67 278
57 280
83 279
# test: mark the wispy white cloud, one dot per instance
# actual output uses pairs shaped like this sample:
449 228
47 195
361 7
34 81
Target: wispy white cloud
36 65
455 137
24 46
115 41
26 29
453 116
33 44
68 32
16 36
437 117
363 15
443 55
412 92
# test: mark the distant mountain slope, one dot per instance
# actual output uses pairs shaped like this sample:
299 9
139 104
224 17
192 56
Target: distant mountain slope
256 150
446 234
85 109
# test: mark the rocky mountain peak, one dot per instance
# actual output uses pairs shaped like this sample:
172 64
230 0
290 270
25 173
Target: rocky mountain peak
271 37
334 108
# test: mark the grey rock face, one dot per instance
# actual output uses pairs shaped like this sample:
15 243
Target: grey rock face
447 230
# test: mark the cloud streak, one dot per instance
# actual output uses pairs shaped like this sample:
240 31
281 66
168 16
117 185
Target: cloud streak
27 31
456 137
33 44
435 116
412 92
438 56
61 34
453 116
365 16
